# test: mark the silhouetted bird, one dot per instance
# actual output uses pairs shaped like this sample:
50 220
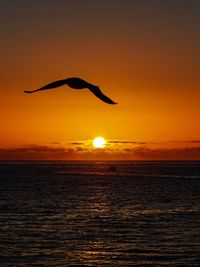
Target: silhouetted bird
76 83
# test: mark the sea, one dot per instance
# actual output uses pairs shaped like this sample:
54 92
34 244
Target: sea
99 213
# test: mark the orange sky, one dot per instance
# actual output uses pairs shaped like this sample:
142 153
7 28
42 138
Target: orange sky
143 54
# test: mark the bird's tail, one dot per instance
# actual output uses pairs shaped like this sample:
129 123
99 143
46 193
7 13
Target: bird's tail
29 92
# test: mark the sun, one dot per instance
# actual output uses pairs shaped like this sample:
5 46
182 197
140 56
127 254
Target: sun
99 142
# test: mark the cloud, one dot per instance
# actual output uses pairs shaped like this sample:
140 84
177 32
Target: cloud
146 153
195 141
76 143
36 152
126 142
81 152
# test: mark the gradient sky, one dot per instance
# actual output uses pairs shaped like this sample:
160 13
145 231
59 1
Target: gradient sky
144 54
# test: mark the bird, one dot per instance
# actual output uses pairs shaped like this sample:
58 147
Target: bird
76 83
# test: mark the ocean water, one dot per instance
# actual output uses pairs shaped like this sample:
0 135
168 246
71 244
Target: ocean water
99 214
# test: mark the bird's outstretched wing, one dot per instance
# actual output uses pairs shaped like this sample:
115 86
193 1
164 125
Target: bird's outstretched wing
97 92
49 86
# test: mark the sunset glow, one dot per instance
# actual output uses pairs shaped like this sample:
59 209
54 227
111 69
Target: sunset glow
100 132
142 54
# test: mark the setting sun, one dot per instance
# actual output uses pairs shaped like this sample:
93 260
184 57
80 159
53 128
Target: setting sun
99 142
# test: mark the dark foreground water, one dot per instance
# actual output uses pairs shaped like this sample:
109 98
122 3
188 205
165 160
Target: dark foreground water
99 214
